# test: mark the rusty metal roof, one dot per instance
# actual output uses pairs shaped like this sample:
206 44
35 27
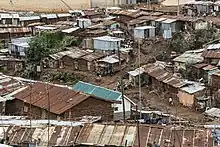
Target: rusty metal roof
159 73
58 135
61 98
15 30
93 56
100 134
200 65
211 54
118 134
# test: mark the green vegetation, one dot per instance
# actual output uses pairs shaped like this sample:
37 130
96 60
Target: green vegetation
62 77
182 42
44 44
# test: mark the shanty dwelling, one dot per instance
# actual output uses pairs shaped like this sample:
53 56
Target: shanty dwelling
6 34
136 23
120 135
64 16
26 20
11 64
188 58
19 46
83 23
188 94
211 56
109 65
215 80
49 18
107 43
134 76
62 102
111 25
170 26
163 81
203 72
89 62
213 113
158 24
70 61
73 31
91 14
194 24
54 60
144 32
103 93
12 19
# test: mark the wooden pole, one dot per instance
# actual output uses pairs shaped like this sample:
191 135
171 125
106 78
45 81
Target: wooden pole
139 77
138 127
121 84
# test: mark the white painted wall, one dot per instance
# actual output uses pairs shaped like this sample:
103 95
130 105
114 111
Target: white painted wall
120 106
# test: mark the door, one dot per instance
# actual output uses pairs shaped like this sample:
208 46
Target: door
146 33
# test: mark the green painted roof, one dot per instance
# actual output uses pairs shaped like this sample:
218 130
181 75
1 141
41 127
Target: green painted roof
97 91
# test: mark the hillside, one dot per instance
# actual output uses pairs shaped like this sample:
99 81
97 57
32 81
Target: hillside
43 5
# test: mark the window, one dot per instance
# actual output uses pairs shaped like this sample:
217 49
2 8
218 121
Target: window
116 108
25 108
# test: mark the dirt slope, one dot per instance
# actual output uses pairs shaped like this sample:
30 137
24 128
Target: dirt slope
43 5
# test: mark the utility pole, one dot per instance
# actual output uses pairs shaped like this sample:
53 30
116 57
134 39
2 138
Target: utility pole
138 127
121 83
48 117
30 111
178 8
139 77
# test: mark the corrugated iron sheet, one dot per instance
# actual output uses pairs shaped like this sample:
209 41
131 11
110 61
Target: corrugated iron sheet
15 30
58 135
61 99
117 135
211 54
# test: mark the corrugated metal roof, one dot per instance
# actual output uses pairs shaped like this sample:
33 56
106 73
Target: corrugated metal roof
97 91
64 15
193 88
211 54
77 53
115 135
27 18
49 16
200 65
118 134
144 27
61 99
70 30
5 15
159 73
58 135
189 57
169 21
15 30
108 38
93 56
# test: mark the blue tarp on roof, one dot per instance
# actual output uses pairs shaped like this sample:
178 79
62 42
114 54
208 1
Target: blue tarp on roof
97 91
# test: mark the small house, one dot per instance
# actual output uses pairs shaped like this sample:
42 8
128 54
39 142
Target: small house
71 31
89 62
64 16
11 64
211 56
194 24
63 103
144 32
188 58
19 46
49 18
134 76
70 60
9 19
103 93
26 20
110 64
107 43
215 80
170 26
188 94
83 23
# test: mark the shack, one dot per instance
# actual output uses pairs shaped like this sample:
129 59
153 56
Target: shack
83 23
70 61
89 62
134 77
107 43
144 32
188 94
9 19
49 18
26 20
